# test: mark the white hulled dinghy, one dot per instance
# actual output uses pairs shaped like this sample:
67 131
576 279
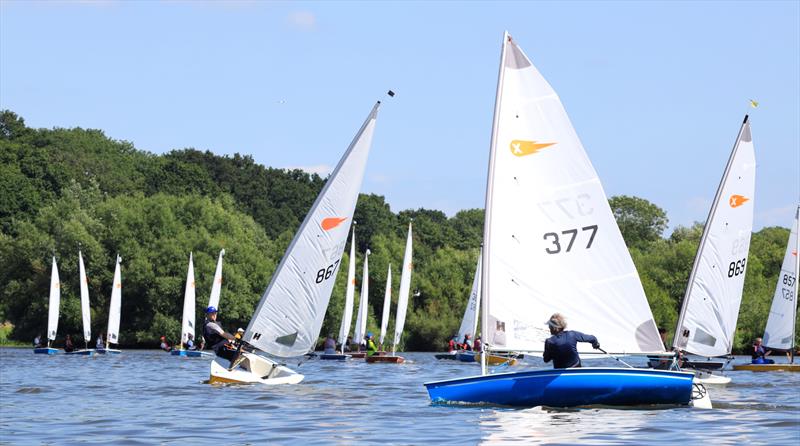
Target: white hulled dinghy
347 314
551 244
85 310
289 316
707 322
402 306
780 331
114 310
52 311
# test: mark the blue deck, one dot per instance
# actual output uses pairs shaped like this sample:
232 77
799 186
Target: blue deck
568 388
466 356
45 351
190 353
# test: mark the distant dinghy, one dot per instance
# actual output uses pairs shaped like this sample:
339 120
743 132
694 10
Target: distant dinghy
114 311
347 314
297 297
85 310
187 321
52 311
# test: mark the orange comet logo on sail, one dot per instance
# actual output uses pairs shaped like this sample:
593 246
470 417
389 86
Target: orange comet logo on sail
522 148
332 222
737 200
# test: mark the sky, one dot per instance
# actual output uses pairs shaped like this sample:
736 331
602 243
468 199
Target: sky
655 90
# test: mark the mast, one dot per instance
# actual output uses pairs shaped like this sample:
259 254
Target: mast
488 207
704 236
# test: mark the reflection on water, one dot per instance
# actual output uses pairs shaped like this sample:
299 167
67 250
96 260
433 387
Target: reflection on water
147 397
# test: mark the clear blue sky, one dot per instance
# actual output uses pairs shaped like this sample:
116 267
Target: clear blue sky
655 90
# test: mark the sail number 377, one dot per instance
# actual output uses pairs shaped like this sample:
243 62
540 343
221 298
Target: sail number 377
326 273
556 241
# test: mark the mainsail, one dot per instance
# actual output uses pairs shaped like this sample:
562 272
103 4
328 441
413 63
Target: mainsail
387 303
711 305
350 292
115 306
54 303
779 333
290 314
187 324
85 310
405 288
551 243
469 323
216 287
361 317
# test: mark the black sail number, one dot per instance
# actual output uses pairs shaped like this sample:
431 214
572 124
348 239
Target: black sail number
569 237
326 273
736 268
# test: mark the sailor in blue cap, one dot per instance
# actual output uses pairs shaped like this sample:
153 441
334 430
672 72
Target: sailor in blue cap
219 340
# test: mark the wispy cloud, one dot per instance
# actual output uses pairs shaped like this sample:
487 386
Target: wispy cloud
322 170
303 20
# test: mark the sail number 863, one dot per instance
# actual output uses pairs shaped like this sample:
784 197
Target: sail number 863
736 268
326 273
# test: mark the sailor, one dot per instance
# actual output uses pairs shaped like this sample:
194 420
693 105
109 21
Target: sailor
37 341
218 338
477 346
164 344
451 346
467 344
561 348
330 345
371 348
100 345
68 346
759 354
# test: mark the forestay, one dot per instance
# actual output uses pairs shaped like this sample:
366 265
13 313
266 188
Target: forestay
711 305
779 333
85 311
289 316
115 305
551 241
216 286
350 292
361 318
54 303
405 288
469 323
187 324
387 303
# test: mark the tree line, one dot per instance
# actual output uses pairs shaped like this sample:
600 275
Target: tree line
67 189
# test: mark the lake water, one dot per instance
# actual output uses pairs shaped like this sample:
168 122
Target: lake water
149 397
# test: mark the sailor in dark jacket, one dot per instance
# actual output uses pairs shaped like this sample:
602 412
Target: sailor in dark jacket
219 339
562 348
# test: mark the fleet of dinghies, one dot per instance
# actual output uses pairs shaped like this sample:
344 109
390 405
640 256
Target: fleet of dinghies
551 245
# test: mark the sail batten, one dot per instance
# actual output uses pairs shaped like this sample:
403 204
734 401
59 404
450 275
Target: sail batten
551 243
297 296
710 308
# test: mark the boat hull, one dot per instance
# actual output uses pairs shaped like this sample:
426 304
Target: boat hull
706 377
334 357
45 351
452 356
81 352
385 359
569 388
358 355
496 359
191 353
110 351
466 356
253 369
768 367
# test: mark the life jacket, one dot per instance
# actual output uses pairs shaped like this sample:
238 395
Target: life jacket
212 337
371 348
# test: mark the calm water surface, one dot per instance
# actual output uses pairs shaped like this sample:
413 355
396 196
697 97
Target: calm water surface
149 397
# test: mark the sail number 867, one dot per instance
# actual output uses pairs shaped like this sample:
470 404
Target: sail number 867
326 273
736 268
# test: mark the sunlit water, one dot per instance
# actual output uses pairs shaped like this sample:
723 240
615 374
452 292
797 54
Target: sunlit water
149 397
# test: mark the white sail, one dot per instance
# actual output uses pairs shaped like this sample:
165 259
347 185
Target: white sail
387 302
349 294
405 288
85 310
290 314
710 309
361 318
469 323
115 306
551 243
55 302
216 287
187 324
779 333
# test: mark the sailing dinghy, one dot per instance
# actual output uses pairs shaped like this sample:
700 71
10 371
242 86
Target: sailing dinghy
360 329
114 309
85 311
52 312
187 321
289 316
780 331
349 295
551 244
707 322
402 306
